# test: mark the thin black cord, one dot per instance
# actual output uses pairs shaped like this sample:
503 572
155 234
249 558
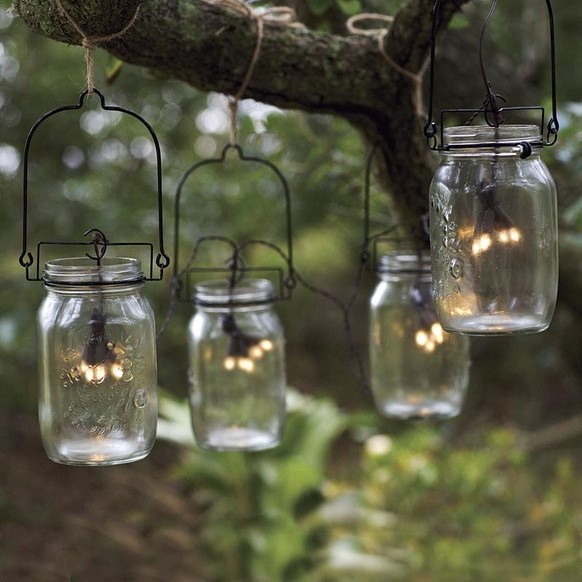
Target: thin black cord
175 283
295 277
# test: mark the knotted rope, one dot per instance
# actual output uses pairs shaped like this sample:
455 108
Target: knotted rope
381 34
279 15
89 42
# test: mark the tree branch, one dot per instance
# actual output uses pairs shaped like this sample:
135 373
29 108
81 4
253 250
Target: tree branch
553 435
210 48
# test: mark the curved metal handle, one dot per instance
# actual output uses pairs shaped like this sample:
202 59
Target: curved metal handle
26 258
431 127
289 280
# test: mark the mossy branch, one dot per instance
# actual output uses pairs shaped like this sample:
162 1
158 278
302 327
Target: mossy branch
209 47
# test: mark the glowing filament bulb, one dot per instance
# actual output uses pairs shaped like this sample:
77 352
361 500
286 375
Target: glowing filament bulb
428 340
116 371
437 333
246 364
243 350
514 234
503 236
101 358
509 235
97 373
421 338
481 243
256 352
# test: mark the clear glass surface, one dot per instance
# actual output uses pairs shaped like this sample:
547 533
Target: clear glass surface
97 355
237 367
493 235
417 370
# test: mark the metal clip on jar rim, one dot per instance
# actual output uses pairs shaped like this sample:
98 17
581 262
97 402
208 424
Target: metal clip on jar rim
82 271
405 261
220 293
511 139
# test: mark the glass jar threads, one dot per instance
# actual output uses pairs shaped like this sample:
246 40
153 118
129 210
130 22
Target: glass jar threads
98 378
493 230
237 367
416 369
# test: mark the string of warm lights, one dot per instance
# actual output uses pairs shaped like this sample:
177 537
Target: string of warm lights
492 269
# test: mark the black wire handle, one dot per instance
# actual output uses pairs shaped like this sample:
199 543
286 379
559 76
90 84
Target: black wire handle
236 268
431 129
367 257
27 260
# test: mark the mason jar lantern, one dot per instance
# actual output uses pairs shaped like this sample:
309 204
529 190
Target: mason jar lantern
96 333
417 370
97 356
493 216
237 366
493 229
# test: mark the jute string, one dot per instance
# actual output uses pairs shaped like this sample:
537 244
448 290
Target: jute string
381 34
279 15
89 42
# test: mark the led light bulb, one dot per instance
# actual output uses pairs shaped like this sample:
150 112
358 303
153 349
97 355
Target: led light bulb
100 358
246 364
256 352
266 345
421 338
243 349
481 243
437 333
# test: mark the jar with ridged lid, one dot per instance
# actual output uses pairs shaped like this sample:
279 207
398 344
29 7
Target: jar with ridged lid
98 378
417 370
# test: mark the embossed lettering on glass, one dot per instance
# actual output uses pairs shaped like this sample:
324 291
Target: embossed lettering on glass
98 381
493 232
417 370
237 367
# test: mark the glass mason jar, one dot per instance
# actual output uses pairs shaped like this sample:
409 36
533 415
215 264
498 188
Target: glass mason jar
416 369
98 380
237 367
493 233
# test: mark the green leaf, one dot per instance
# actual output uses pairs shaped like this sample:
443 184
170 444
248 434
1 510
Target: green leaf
458 22
349 7
113 70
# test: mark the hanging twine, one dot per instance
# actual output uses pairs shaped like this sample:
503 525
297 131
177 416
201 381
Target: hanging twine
280 15
381 34
89 42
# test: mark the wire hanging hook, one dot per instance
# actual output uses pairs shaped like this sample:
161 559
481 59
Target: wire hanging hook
490 109
100 242
491 106
27 259
236 267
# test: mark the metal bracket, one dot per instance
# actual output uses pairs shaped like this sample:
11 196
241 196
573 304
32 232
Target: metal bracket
27 260
236 268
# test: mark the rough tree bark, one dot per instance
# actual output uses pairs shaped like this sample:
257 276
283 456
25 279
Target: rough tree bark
209 47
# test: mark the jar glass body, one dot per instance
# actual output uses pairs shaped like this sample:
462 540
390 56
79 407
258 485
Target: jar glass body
493 235
97 354
416 369
237 367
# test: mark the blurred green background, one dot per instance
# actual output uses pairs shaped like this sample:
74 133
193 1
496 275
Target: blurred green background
348 496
